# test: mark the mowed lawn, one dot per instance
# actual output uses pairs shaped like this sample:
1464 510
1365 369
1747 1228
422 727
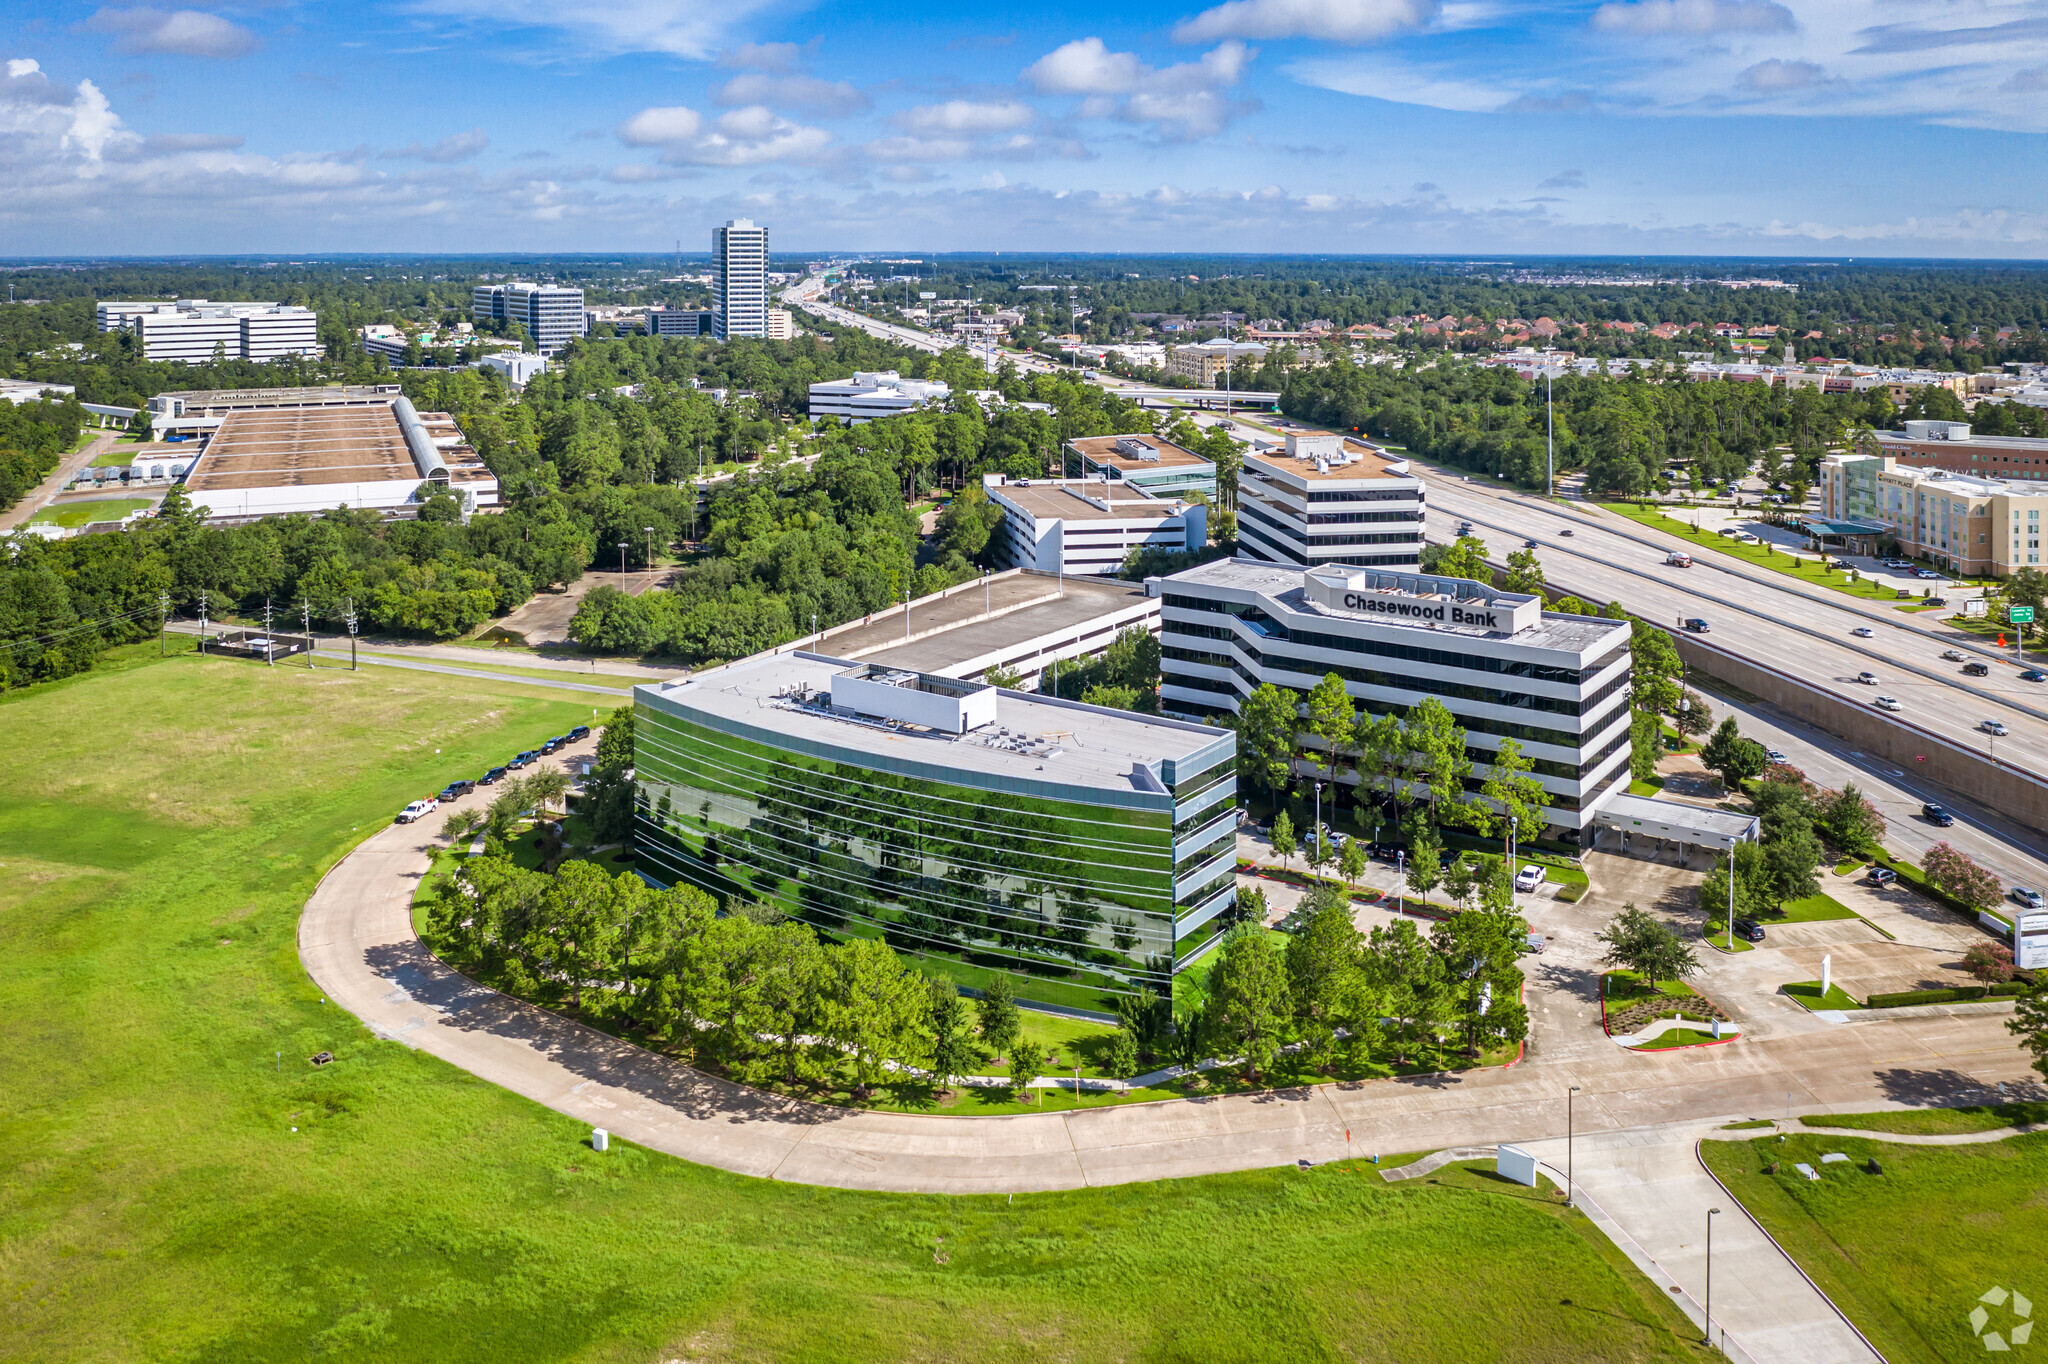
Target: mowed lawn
1906 1253
161 826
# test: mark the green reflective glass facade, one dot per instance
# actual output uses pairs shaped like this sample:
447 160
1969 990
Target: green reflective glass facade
1079 895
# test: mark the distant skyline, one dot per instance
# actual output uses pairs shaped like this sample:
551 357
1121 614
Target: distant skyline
1752 128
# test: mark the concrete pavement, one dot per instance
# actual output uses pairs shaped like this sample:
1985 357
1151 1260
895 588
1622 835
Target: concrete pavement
40 496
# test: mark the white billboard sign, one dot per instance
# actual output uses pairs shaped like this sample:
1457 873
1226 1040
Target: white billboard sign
1974 607
2030 941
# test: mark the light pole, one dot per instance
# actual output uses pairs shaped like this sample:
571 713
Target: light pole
650 545
1316 846
1731 897
1549 435
1401 881
1514 846
1569 1183
350 617
1712 1213
622 559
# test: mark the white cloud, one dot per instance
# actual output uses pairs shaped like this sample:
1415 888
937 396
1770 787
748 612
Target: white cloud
808 93
920 149
967 116
1571 179
185 32
1699 18
694 30
780 57
1339 21
1377 78
454 147
745 137
1778 77
1179 102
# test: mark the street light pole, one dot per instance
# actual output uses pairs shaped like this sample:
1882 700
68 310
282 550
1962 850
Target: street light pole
1731 897
350 617
1569 1183
1549 435
622 560
1401 881
1316 846
1711 1214
650 545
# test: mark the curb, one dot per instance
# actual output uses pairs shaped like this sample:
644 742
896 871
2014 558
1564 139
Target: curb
1696 1155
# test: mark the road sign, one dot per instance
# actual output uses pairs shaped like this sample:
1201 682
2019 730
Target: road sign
1974 607
2019 615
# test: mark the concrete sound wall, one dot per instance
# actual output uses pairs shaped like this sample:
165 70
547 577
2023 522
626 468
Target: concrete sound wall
1971 773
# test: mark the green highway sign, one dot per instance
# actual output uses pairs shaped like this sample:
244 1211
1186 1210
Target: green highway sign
2019 615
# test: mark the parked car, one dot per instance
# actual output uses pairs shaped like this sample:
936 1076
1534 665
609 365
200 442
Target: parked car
419 809
1937 601
1535 944
1698 626
1996 727
555 744
1528 878
1867 679
456 790
1881 876
1953 655
1925 573
1886 703
1749 930
1976 670
492 777
1937 814
580 732
2031 899
1863 632
520 760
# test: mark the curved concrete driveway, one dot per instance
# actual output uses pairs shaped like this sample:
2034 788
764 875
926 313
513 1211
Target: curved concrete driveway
356 941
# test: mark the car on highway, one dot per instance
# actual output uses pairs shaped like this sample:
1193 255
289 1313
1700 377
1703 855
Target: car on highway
1953 655
456 790
1976 670
492 777
1749 930
1937 815
2030 898
419 809
1886 703
1566 531
1881 876
1698 626
1867 679
1528 544
2034 675
1775 755
1863 632
1995 727
1678 559
1528 878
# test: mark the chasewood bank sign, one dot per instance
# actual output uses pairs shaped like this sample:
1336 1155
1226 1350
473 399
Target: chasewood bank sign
1425 601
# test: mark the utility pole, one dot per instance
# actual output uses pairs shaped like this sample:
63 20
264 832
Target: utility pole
269 648
350 617
202 622
306 623
163 612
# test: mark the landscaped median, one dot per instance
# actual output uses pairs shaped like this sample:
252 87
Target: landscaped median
1763 555
1630 1011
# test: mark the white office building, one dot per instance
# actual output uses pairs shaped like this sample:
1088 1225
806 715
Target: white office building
1330 500
680 322
552 315
739 263
781 326
1089 526
195 330
1507 669
517 366
870 394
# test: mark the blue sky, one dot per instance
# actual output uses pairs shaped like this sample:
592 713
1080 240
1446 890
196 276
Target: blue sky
1744 127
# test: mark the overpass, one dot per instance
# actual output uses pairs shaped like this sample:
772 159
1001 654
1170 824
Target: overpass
1194 397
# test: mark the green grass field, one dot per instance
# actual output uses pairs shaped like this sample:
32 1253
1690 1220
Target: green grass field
1936 1121
1906 1253
156 1204
1807 994
75 514
1811 909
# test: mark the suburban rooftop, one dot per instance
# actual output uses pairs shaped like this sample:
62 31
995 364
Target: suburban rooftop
1070 500
1121 452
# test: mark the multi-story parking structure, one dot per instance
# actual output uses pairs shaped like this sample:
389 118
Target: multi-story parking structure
1085 852
1330 500
1504 667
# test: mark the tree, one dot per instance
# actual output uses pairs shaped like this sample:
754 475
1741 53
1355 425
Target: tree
1990 962
1323 961
1266 729
1188 1045
1436 756
1122 1060
1146 1016
1353 862
463 825
1790 861
1458 881
1464 559
1425 857
1283 838
1694 716
1525 573
1508 785
1002 1023
1249 906
1028 1061
1638 942
1009 679
1645 744
1409 980
1952 870
2029 1023
1754 889
1330 719
1735 758
952 1052
1479 950
609 790
1849 821
1654 669
1248 998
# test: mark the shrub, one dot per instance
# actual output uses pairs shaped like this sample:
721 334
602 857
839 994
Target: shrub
1990 962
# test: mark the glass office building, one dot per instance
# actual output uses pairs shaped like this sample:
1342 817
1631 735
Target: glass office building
1085 852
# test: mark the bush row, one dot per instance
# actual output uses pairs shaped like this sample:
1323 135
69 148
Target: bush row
1904 997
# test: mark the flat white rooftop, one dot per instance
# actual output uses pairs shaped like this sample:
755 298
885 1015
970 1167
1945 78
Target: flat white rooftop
1034 741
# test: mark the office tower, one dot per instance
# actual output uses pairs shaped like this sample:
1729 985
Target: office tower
739 258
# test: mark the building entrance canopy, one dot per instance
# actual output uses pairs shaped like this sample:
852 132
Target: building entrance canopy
1681 823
